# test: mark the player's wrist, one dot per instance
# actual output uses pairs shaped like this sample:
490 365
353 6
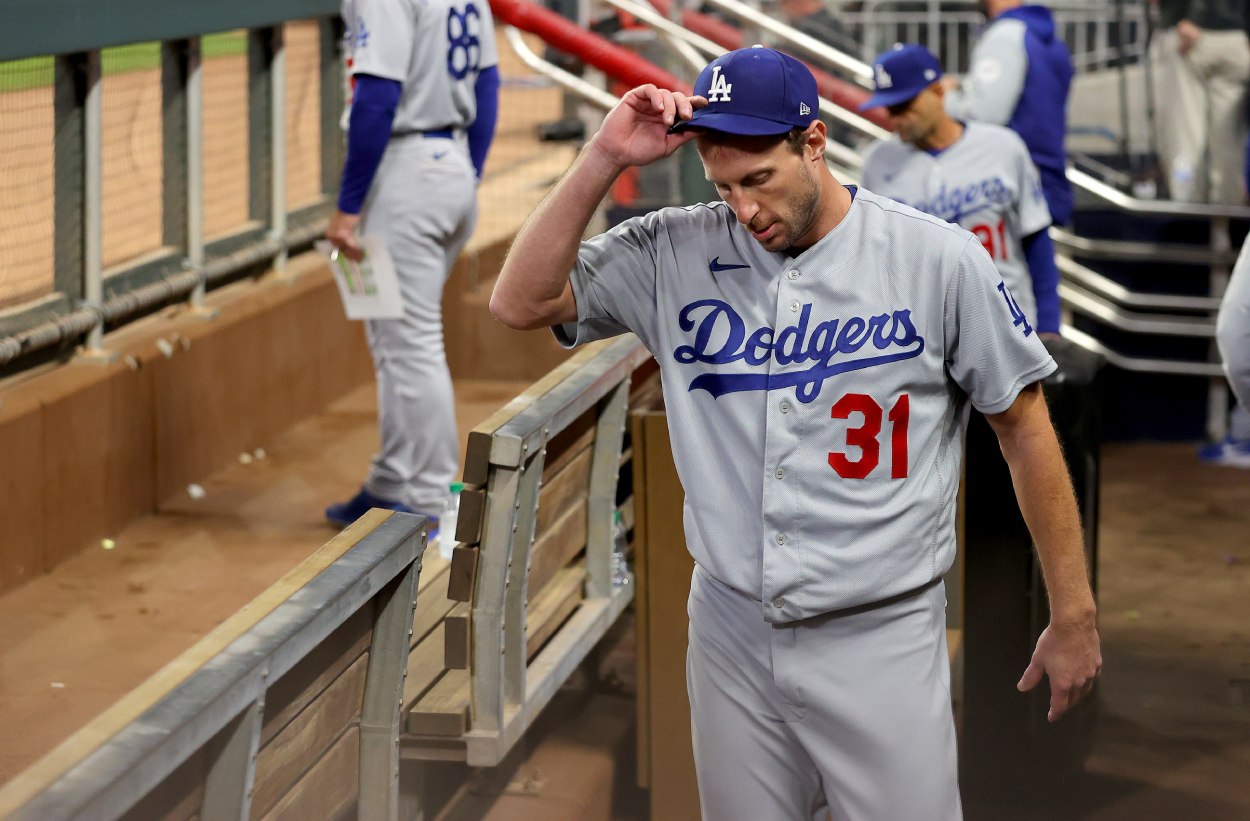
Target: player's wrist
602 159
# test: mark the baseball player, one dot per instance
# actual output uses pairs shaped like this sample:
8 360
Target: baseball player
1019 76
1232 334
819 349
423 109
976 175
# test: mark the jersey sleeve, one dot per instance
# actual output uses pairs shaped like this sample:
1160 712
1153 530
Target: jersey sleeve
383 34
991 91
1034 213
490 51
614 285
992 351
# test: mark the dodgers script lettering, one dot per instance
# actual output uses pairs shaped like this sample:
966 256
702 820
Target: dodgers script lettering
831 346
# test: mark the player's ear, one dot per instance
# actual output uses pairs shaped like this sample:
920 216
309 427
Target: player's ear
815 140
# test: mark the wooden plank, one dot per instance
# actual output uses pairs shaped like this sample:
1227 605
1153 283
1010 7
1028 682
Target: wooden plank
312 674
463 574
668 567
556 548
444 710
328 790
563 491
303 741
553 605
70 752
471 516
569 442
477 453
432 607
425 665
433 566
641 624
458 632
954 642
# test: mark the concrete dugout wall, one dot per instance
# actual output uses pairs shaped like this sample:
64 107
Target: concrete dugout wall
86 449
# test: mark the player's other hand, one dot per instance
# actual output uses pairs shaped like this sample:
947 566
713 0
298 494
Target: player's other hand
341 233
1187 36
1070 656
635 132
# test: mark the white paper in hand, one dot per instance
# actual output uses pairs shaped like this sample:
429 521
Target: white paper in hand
370 288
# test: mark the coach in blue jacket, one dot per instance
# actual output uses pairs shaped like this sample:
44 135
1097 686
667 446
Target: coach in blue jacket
1019 77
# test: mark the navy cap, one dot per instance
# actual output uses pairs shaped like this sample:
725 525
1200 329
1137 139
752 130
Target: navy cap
901 73
754 91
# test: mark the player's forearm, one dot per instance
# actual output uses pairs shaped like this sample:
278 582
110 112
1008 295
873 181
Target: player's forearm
532 289
1044 491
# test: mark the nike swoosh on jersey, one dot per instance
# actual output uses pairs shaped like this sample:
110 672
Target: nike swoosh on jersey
715 266
440 155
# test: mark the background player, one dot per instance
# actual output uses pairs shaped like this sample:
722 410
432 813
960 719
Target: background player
423 109
976 175
1232 334
1019 76
793 323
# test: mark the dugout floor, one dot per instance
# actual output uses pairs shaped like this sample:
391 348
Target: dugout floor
1173 739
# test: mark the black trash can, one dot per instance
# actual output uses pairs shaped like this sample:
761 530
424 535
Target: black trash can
1006 742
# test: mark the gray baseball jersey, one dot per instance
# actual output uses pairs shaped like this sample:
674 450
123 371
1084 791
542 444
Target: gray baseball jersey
435 48
985 183
817 405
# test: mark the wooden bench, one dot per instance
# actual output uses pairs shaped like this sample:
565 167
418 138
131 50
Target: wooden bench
529 588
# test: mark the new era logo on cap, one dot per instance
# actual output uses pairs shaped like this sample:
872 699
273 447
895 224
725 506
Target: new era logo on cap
754 91
901 73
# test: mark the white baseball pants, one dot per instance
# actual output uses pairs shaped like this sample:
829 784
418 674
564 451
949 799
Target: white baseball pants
423 202
844 715
1232 333
1200 120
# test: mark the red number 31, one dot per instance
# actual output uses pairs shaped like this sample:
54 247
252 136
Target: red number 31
864 437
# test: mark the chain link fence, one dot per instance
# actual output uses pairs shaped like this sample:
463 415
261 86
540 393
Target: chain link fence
226 126
27 171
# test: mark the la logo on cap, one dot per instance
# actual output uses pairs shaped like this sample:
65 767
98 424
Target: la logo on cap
883 77
719 86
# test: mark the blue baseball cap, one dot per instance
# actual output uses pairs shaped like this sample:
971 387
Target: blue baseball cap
755 91
901 73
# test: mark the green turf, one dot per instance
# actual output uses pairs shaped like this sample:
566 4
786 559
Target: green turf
34 72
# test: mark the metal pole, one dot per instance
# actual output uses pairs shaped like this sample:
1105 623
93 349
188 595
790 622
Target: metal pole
1217 389
93 249
277 79
195 171
1121 31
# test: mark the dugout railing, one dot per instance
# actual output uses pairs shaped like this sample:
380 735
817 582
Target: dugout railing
58 66
288 710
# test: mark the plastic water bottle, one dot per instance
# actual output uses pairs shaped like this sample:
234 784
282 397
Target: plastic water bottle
447 522
620 544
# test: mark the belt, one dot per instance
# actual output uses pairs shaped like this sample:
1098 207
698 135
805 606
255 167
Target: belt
444 133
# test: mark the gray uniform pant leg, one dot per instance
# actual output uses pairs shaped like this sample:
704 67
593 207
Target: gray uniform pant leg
1232 333
424 204
845 714
1200 100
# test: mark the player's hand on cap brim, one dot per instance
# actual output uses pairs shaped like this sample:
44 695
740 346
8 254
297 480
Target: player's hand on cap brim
635 132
